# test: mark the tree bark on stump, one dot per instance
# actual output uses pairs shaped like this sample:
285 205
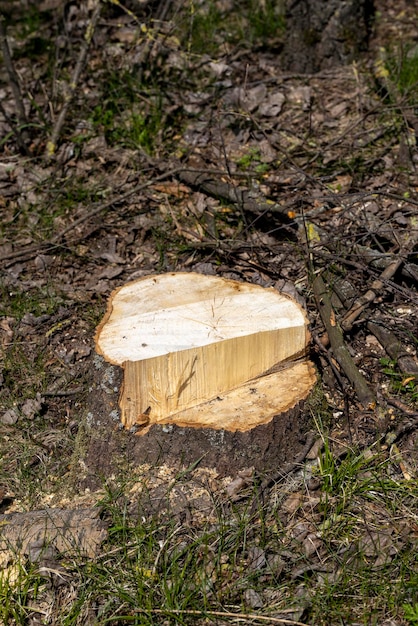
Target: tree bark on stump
267 448
215 372
321 34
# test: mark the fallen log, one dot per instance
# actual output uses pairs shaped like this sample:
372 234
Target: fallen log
248 200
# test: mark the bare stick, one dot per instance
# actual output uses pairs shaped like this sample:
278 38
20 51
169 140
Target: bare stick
339 348
395 349
367 298
52 143
31 251
377 285
225 615
406 362
249 200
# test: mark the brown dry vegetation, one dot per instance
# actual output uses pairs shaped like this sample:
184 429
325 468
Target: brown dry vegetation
186 147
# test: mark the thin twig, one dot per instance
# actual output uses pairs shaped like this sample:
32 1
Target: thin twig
52 143
376 287
338 345
370 295
328 357
221 614
31 251
22 137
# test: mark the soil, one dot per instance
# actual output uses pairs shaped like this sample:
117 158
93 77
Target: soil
321 151
266 447
190 150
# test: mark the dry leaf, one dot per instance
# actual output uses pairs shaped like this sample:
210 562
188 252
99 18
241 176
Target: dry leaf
32 406
9 417
78 532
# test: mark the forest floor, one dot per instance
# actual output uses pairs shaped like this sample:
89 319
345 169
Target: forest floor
168 121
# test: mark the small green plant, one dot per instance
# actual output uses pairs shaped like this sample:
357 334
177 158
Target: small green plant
19 586
265 22
403 68
206 27
396 73
342 480
203 26
411 613
129 115
400 383
252 160
63 200
16 303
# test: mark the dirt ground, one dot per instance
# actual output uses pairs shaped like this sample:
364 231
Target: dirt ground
157 145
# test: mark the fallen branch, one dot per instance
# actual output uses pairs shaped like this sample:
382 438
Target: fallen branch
394 348
363 302
31 251
404 408
250 201
338 345
381 260
407 364
52 143
22 137
377 285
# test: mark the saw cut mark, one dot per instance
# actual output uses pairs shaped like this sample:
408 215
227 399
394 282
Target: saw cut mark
185 339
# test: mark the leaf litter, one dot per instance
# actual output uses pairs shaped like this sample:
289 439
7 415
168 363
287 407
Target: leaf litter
328 150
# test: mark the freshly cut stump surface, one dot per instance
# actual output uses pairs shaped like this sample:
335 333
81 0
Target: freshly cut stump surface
213 369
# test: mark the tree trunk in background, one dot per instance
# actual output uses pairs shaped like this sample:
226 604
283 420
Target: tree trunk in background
321 34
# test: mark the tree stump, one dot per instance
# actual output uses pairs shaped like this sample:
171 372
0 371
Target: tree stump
215 371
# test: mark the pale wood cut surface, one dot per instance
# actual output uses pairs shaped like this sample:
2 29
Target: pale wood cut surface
180 380
253 403
172 312
185 339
